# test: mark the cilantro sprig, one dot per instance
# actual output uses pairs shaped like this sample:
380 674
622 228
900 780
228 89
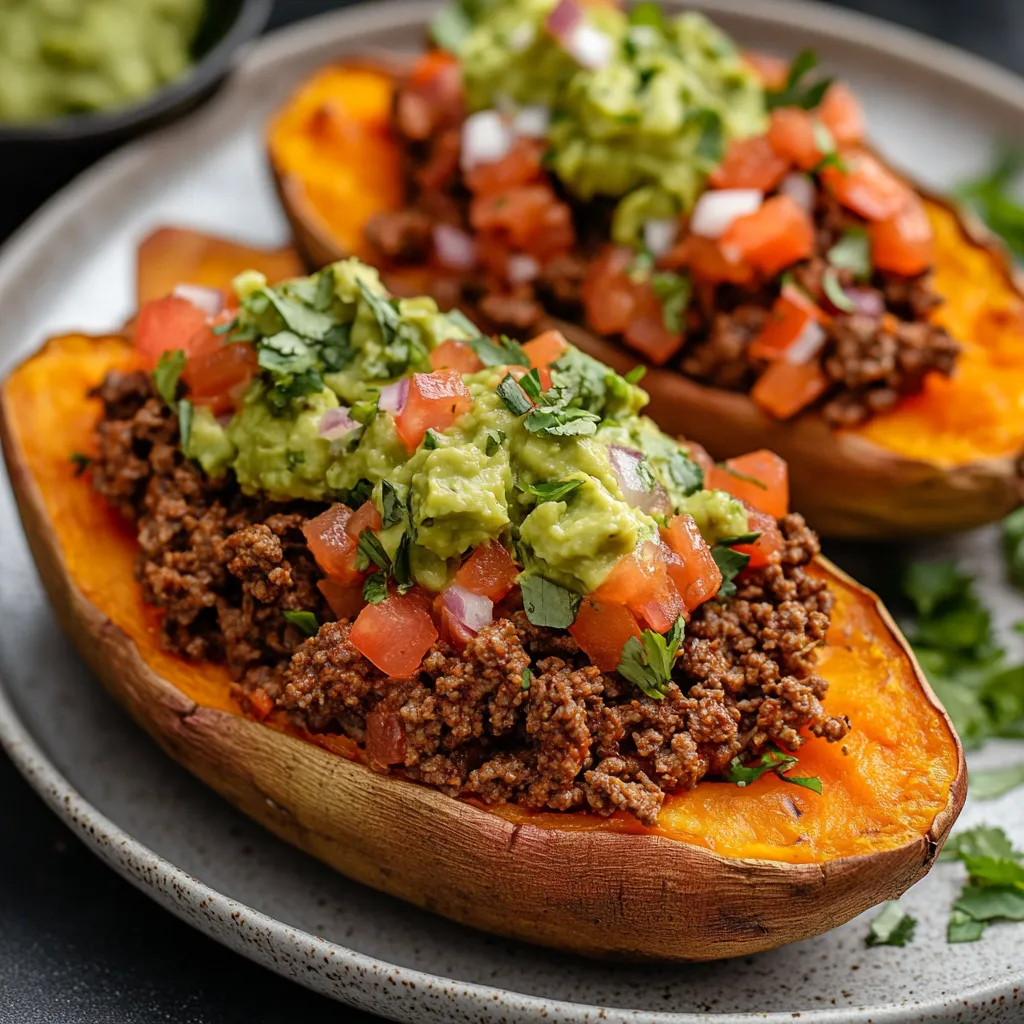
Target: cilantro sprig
552 412
731 563
991 196
305 622
167 374
547 603
892 927
800 90
370 551
772 760
647 661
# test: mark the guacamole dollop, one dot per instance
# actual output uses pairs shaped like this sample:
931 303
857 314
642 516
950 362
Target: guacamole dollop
62 57
540 474
644 121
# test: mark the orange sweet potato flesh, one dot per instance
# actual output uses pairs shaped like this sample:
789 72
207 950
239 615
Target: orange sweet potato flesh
883 787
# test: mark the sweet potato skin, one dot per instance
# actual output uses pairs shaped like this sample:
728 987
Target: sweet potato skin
594 886
917 471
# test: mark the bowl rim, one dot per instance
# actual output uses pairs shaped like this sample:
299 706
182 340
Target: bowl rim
202 76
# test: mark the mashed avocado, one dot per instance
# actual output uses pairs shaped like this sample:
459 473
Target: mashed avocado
644 123
62 57
540 477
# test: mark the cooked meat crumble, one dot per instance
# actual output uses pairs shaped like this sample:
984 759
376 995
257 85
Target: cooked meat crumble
224 567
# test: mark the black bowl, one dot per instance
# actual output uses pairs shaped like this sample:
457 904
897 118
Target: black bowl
36 159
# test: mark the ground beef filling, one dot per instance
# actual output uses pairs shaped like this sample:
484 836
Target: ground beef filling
870 359
225 567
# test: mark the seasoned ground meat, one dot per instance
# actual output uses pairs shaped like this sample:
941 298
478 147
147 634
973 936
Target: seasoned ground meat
518 715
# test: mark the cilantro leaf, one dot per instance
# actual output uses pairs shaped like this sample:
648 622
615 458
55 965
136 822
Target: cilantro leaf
548 604
375 588
495 439
892 927
401 568
369 549
674 290
298 317
513 396
963 928
685 473
185 422
1013 546
530 383
80 462
647 661
359 495
745 477
852 252
991 903
711 144
988 785
383 310
772 760
393 509
294 459
562 422
991 196
430 439
798 92
503 352
527 677
834 291
303 621
731 563
635 375
167 373
323 299
553 490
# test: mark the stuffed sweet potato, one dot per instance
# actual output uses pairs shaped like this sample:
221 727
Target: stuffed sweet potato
678 740
791 288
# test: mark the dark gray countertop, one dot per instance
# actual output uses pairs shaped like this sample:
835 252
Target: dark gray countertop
78 945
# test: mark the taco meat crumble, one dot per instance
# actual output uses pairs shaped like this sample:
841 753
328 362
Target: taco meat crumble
224 567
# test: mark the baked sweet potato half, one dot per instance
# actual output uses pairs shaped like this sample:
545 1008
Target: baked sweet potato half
943 459
727 871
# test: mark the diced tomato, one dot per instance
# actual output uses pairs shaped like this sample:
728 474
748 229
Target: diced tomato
394 634
220 375
867 186
647 331
693 570
785 388
841 113
455 355
164 325
602 629
431 65
792 312
442 165
385 737
346 600
760 479
791 134
641 582
774 237
768 544
366 517
332 545
905 243
607 292
773 71
489 570
530 218
260 703
521 165
436 400
705 261
750 163
546 348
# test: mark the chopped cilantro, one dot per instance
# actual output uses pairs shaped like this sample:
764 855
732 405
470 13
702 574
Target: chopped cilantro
431 439
393 509
892 927
745 477
640 267
852 252
991 196
294 459
299 317
303 621
674 290
554 490
527 677
1013 546
548 604
743 538
503 352
285 353
167 373
400 567
834 290
731 563
369 549
685 472
530 383
384 311
772 760
711 145
647 661
798 91
513 396
495 439
563 422
363 412
375 588
635 375
361 493
185 422
987 785
80 462
225 328
450 26
323 299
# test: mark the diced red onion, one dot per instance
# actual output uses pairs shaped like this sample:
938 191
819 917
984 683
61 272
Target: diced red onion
486 138
807 344
590 47
455 249
522 268
563 19
660 235
336 424
394 396
625 464
866 301
474 611
717 209
532 122
209 300
800 189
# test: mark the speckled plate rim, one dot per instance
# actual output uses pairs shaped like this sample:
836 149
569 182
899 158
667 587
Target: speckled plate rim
334 970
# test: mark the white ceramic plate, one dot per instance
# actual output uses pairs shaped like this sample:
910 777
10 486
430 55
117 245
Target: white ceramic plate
934 110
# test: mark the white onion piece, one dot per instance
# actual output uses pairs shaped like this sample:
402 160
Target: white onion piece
209 300
521 37
563 19
866 301
455 249
625 464
716 210
474 611
589 47
807 344
336 424
522 268
532 122
800 189
394 396
660 235
486 138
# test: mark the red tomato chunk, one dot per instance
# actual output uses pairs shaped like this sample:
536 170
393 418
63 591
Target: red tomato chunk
333 547
436 401
489 571
760 478
394 634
